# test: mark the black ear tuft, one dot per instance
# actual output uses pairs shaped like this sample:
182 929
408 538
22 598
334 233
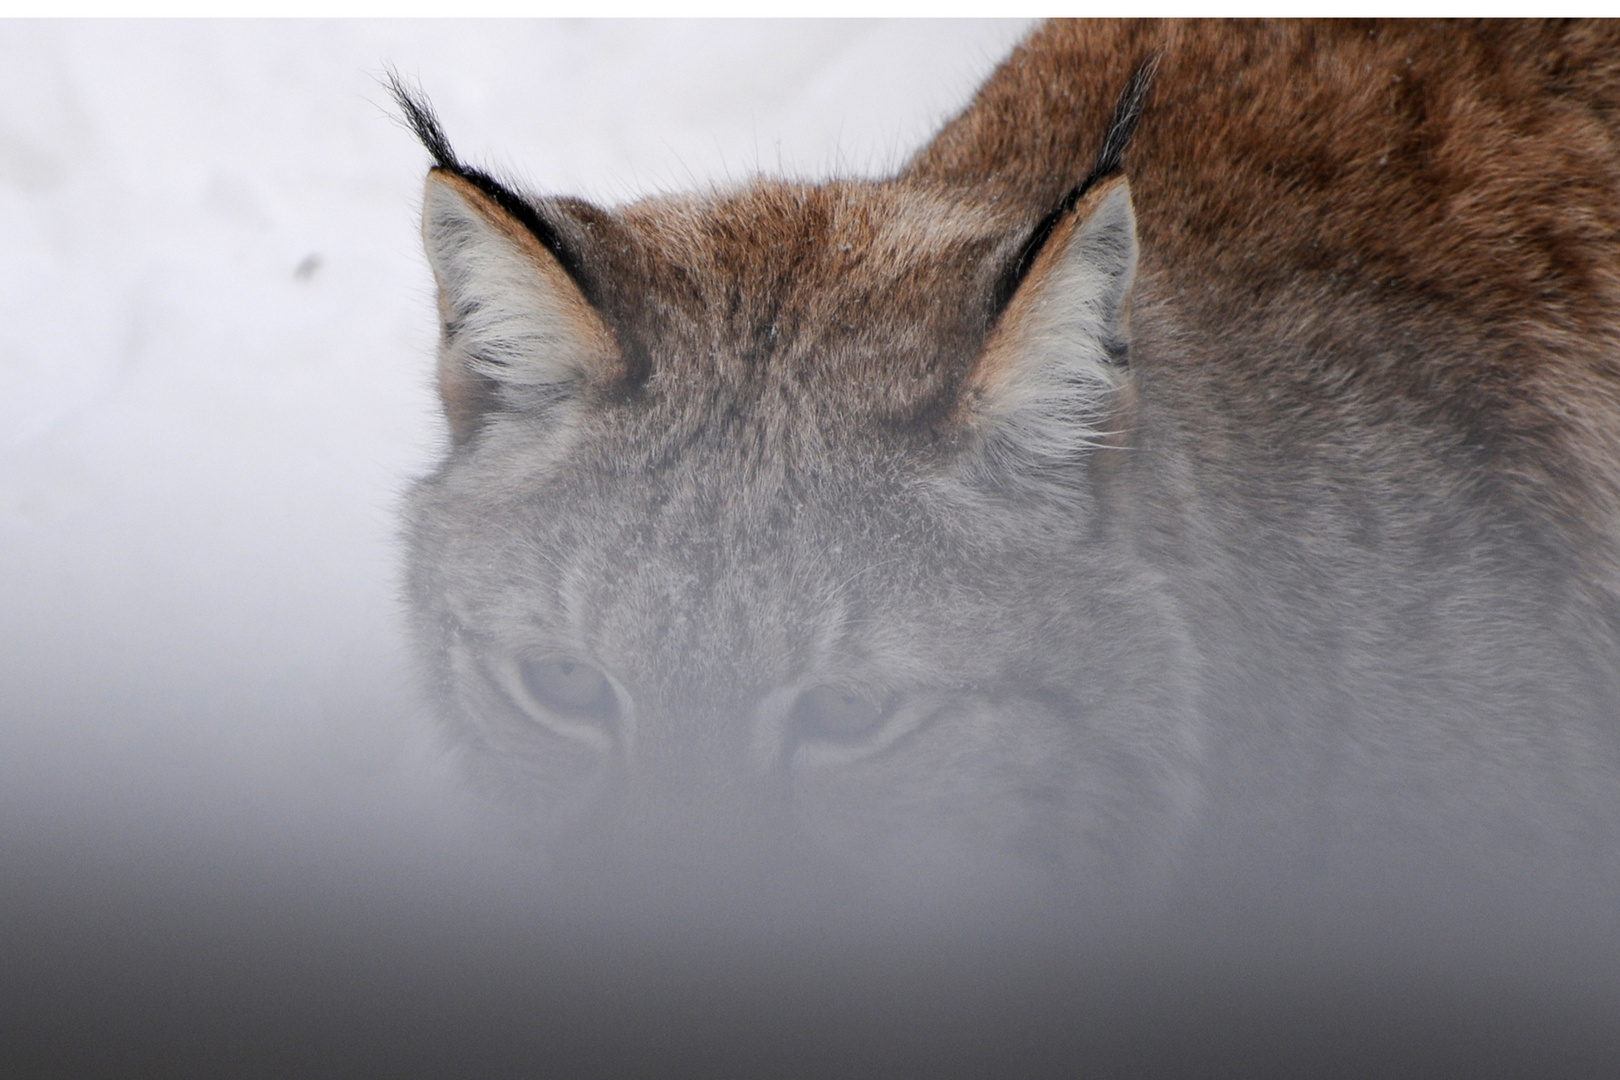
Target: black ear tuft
1110 159
421 119
1127 111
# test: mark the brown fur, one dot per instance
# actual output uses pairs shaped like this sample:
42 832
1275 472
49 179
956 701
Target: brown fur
1442 198
1306 549
762 295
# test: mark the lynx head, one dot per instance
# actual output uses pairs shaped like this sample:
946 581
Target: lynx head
773 513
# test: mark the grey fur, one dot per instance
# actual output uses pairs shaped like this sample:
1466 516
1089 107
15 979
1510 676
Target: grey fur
1129 636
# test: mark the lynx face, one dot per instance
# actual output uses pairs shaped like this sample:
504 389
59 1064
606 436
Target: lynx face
721 550
1004 522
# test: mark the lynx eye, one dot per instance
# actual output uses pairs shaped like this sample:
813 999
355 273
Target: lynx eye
837 714
568 687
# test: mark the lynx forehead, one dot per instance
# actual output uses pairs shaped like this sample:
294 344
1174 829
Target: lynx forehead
1080 503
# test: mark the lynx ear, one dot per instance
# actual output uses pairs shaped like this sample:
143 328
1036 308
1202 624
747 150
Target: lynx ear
518 332
1042 387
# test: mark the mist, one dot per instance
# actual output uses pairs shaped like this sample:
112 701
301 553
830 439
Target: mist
232 838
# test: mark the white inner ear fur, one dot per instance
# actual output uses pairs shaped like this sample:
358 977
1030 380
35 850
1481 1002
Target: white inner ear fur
1043 384
511 314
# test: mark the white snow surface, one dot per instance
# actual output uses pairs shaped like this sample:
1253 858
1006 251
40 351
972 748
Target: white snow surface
215 358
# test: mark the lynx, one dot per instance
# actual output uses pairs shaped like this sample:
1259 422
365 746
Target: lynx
1201 462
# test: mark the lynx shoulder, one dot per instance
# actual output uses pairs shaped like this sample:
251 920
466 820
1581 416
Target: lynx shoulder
1201 460
1410 220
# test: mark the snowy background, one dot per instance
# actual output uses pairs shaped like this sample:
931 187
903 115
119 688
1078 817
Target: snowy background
215 357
